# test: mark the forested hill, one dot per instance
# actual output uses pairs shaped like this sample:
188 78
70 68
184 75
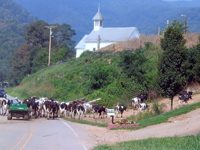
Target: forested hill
146 15
13 21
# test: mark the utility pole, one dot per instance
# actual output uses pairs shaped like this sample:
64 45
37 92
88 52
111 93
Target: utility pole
167 23
185 22
98 45
50 27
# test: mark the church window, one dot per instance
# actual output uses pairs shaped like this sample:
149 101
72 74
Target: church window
96 23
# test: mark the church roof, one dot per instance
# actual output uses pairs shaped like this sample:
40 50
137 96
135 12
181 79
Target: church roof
111 34
81 44
98 16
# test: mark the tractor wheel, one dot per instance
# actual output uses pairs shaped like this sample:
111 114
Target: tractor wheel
9 116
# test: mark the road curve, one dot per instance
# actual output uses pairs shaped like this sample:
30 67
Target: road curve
43 134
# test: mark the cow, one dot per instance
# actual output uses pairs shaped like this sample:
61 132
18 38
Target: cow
33 106
99 109
51 108
142 97
72 109
5 106
80 111
135 102
189 93
63 109
41 108
88 108
142 106
120 109
184 98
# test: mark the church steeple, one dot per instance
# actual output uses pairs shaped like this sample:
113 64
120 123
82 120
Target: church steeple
98 20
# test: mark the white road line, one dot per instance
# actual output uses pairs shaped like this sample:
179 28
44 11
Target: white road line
84 147
70 127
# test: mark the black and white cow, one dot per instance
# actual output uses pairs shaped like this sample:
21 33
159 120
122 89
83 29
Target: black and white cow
72 109
63 109
88 108
33 106
80 110
5 106
41 107
135 102
99 109
51 108
183 98
120 109
142 106
185 93
142 97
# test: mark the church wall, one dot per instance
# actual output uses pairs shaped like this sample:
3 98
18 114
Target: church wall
92 46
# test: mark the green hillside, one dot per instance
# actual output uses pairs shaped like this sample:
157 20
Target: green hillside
91 76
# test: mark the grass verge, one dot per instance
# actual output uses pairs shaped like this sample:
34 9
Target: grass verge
168 143
164 117
86 122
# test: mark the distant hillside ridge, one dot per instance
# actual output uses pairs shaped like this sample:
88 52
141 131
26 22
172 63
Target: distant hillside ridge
13 22
146 15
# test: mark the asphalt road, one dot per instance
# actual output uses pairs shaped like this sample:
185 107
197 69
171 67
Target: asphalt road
43 134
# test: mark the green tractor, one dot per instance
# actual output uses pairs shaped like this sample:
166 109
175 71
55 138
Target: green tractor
18 110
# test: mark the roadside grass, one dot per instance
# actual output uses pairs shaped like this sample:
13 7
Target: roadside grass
168 143
164 117
86 122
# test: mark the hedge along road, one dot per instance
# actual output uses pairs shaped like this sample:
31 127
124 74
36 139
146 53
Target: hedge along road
18 134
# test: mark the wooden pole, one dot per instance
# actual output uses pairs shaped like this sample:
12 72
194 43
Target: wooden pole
49 48
50 27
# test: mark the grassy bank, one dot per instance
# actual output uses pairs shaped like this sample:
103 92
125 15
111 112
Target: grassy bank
174 143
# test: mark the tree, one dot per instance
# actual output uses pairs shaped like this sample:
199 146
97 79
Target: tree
36 34
179 24
21 63
197 65
171 70
133 65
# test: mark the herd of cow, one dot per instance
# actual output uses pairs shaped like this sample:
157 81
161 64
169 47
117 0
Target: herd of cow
49 108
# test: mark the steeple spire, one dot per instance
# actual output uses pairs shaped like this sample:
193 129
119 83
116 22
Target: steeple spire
98 20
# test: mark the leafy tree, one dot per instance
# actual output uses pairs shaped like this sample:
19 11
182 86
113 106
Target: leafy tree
99 75
133 65
21 61
197 65
179 24
37 34
171 70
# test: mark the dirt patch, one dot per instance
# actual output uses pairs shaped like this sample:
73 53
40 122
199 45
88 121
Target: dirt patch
187 124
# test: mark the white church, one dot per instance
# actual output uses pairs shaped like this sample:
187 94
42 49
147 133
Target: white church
101 37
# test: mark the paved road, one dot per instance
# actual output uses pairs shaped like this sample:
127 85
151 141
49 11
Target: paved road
43 134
